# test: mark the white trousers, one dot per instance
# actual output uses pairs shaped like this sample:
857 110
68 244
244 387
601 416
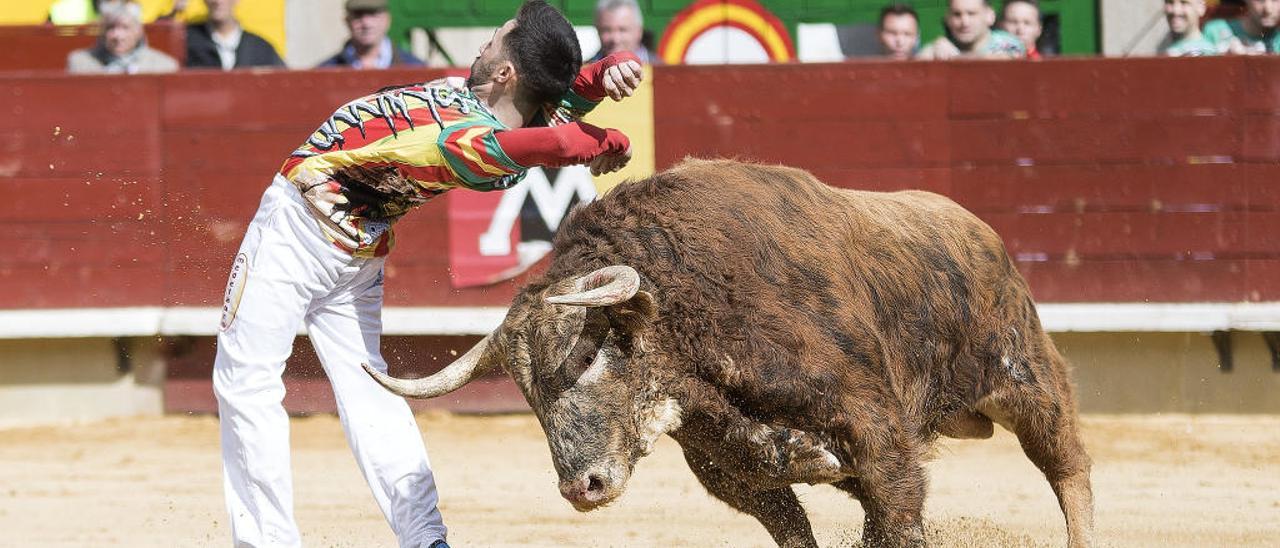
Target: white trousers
285 275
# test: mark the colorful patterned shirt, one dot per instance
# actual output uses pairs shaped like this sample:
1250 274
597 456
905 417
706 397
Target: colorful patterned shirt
1003 43
1193 46
379 156
1224 33
997 44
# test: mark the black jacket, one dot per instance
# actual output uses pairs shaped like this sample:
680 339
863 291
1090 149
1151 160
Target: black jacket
399 57
253 50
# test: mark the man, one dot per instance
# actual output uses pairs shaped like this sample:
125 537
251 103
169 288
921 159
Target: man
1253 33
221 43
899 31
314 252
1021 18
1185 38
621 28
969 35
122 46
369 47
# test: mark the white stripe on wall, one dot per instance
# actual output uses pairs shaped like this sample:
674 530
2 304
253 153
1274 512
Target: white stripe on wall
203 321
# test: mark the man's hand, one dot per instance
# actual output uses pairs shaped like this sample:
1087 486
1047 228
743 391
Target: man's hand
323 193
944 50
622 79
609 163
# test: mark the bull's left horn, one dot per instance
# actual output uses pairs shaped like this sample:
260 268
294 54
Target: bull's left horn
608 286
451 378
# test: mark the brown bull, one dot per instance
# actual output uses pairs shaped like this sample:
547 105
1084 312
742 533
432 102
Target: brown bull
782 331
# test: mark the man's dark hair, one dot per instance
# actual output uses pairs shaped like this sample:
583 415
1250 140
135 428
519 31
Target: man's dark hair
544 50
897 9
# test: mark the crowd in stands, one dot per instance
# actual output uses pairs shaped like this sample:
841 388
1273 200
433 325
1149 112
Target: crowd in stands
971 29
219 42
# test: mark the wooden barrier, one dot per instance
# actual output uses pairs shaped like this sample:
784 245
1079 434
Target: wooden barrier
1121 181
46 47
135 191
1111 180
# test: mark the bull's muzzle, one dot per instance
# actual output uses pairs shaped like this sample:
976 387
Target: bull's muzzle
591 489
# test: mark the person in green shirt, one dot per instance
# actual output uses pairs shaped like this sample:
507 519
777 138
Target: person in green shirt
1185 38
1254 33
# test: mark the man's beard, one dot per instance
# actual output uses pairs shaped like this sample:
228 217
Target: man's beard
480 73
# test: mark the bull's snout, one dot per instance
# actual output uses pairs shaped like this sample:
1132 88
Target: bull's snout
588 490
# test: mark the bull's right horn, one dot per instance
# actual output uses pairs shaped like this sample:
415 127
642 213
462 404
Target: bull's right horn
607 286
451 378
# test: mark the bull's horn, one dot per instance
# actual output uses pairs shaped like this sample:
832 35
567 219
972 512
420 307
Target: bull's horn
608 286
451 378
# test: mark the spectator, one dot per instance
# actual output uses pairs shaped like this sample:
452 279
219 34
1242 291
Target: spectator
899 31
621 28
1253 33
1185 38
969 34
220 42
369 46
1021 18
122 46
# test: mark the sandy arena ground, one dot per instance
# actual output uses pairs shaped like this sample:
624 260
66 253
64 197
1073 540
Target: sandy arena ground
1159 481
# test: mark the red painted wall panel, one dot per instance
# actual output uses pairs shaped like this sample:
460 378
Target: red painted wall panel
1110 179
1080 188
1096 88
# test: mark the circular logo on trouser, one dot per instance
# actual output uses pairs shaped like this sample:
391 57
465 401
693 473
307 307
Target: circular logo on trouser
235 289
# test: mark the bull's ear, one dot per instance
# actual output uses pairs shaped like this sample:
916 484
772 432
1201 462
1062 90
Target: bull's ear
634 314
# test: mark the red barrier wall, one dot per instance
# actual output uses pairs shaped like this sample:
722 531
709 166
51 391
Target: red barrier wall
1110 179
135 191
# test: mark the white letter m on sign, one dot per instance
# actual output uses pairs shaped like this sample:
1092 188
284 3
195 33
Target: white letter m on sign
551 200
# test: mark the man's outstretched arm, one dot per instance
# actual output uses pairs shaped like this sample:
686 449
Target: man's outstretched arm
606 150
486 158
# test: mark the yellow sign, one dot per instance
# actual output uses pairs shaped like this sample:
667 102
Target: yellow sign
634 117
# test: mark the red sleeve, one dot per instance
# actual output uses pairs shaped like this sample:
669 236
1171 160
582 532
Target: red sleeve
567 144
590 81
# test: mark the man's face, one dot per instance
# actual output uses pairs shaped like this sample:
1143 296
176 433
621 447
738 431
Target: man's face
1183 15
899 34
1022 20
368 27
1265 13
121 35
619 30
492 54
970 20
221 10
